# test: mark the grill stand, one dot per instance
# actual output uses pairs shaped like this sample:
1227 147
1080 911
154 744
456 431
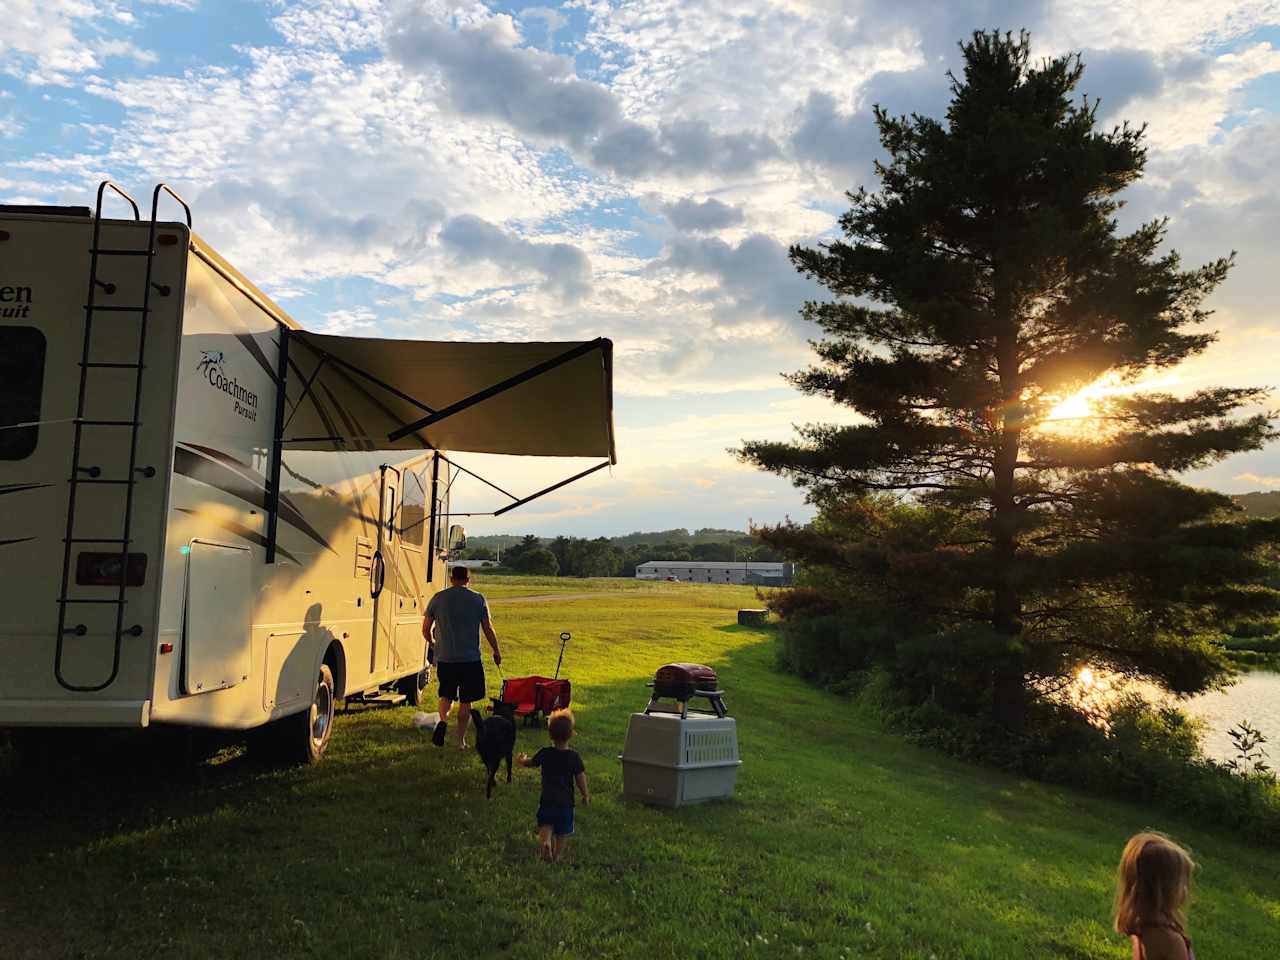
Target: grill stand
714 697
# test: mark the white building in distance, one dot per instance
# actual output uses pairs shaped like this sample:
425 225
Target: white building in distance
707 571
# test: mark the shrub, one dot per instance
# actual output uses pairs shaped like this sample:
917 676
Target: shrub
830 648
1146 753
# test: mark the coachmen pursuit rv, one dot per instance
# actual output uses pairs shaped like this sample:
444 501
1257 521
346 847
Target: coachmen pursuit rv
214 518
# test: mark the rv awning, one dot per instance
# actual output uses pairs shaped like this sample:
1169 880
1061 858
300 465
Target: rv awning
527 399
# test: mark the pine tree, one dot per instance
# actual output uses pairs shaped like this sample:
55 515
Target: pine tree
983 285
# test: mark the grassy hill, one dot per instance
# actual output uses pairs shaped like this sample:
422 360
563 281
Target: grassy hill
842 841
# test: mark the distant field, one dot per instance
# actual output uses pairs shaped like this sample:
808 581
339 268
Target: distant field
495 586
842 841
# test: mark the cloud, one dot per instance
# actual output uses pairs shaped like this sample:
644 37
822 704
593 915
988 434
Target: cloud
565 268
1270 483
336 24
690 215
681 147
553 20
359 320
51 42
486 74
313 221
847 141
1158 24
753 279
1117 76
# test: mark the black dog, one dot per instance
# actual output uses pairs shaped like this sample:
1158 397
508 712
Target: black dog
496 739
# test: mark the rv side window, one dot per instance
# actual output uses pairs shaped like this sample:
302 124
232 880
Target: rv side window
21 383
413 510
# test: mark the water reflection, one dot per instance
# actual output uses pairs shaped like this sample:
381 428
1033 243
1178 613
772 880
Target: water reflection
1254 697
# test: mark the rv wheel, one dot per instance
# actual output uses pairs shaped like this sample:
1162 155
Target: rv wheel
316 724
414 686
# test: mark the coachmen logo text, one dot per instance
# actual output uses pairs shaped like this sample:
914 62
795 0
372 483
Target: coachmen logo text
246 401
15 302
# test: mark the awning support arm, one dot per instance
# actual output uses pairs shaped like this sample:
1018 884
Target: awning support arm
497 388
554 486
306 392
469 473
374 380
277 445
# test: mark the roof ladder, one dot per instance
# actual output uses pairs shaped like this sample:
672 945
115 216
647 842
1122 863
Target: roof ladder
82 474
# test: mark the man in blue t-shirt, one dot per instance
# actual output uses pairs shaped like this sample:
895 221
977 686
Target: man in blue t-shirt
458 614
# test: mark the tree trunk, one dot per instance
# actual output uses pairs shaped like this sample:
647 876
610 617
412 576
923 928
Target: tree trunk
1008 693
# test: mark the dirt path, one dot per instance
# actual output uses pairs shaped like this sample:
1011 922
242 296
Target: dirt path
544 597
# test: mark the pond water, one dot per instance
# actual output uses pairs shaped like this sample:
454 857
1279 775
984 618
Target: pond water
1255 697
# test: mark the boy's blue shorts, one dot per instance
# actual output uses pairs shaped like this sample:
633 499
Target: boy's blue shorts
559 819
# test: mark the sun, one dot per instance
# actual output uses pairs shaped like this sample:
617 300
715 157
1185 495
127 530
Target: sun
1079 413
1079 406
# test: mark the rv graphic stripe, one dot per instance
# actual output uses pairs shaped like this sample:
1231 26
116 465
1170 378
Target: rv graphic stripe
19 487
241 531
250 344
252 490
217 475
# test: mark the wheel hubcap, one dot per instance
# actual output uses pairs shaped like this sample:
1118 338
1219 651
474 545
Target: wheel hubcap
321 714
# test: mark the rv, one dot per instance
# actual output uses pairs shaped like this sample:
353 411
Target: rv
211 517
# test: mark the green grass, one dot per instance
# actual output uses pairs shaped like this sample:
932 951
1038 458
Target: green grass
841 841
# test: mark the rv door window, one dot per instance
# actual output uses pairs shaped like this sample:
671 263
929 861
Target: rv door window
442 514
413 509
21 383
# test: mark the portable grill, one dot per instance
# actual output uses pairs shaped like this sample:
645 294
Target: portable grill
683 682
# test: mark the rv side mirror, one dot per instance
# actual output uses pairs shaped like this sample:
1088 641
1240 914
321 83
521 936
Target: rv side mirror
457 537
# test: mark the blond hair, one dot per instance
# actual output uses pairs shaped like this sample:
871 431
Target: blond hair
1152 884
560 725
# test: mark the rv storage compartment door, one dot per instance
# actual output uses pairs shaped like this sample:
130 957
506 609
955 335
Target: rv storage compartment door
216 654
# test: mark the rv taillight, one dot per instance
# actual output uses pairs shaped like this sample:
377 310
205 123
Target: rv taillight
104 570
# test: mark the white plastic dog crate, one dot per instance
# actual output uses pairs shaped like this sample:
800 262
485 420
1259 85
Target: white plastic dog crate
669 760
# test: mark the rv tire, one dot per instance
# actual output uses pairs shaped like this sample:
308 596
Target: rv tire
313 726
300 737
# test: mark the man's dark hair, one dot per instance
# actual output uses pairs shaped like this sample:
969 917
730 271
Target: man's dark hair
460 573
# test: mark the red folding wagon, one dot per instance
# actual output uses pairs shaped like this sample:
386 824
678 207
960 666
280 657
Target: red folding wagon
535 698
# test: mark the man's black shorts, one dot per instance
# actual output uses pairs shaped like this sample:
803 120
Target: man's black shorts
461 681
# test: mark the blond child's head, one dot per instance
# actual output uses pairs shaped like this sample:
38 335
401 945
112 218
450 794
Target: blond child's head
1152 884
560 726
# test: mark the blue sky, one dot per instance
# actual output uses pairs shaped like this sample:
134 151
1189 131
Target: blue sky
631 170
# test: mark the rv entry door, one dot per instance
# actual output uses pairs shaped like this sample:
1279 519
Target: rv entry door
382 578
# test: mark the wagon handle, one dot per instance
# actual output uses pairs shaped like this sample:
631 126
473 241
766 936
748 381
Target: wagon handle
564 638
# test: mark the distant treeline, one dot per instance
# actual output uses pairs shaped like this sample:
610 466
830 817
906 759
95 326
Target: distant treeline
614 556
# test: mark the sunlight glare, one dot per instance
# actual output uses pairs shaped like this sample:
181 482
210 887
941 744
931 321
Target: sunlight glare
1078 413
